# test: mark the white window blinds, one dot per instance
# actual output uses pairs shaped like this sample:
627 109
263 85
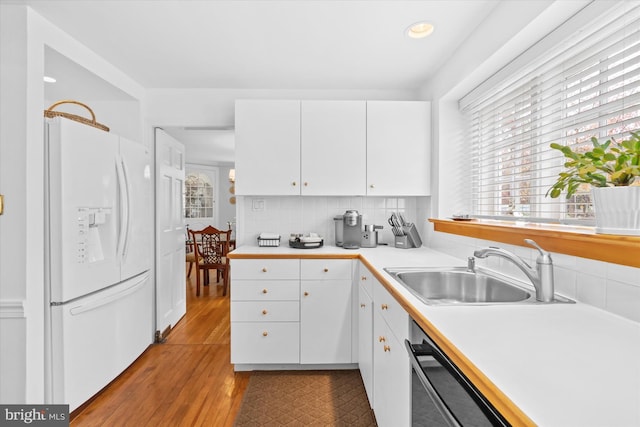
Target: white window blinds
588 85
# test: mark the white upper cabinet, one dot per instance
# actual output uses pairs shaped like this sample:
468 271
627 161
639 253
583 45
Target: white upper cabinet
267 153
333 148
398 148
334 144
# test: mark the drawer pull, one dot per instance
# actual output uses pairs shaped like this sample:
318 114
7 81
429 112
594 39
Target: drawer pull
264 311
265 333
382 339
363 305
363 278
306 294
264 269
384 306
386 348
326 270
264 291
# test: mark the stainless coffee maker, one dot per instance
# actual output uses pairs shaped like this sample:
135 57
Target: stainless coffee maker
352 229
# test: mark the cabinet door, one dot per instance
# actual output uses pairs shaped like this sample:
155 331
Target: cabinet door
325 321
392 377
267 147
333 148
398 148
365 341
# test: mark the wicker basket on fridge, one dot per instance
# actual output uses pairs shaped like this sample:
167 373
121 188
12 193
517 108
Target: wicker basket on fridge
49 112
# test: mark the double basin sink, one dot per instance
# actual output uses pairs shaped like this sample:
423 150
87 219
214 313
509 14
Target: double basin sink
462 286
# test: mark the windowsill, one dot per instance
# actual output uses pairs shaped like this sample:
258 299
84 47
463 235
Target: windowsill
571 240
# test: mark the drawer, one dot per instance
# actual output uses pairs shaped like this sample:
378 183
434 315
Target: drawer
258 342
325 269
391 311
265 311
265 269
265 290
366 279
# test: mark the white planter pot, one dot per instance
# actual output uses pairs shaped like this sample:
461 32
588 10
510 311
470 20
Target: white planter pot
617 210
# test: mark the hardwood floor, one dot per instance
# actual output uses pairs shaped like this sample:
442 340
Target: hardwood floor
187 381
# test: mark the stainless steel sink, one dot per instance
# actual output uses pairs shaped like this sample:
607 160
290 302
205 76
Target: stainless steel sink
458 285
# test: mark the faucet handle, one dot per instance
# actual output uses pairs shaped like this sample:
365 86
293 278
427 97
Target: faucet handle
545 256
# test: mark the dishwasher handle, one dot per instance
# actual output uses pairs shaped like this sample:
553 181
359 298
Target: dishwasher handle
431 391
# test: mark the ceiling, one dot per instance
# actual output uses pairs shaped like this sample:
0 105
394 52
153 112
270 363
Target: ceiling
265 44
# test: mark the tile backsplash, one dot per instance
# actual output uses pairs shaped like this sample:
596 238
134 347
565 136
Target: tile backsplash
295 214
612 287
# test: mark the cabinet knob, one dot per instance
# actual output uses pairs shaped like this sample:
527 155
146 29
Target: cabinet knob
363 278
294 183
381 339
264 269
306 183
264 311
265 333
326 270
306 294
384 306
363 305
264 291
386 348
372 186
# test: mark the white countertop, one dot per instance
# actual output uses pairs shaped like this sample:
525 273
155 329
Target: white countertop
561 364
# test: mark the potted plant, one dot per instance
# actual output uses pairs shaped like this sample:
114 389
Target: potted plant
611 170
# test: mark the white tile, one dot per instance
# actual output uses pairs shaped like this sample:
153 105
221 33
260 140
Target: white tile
565 282
624 273
623 299
596 268
591 289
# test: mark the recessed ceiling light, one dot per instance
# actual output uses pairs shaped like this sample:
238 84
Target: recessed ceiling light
419 30
49 79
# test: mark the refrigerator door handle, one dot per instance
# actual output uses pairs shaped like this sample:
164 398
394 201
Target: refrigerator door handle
139 281
127 214
122 189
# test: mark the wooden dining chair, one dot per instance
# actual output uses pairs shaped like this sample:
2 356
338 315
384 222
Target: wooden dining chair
190 253
211 248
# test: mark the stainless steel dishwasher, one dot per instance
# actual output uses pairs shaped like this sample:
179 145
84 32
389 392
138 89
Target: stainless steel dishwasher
441 394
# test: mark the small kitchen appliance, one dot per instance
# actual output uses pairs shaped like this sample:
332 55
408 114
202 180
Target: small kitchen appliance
352 229
370 236
305 241
339 221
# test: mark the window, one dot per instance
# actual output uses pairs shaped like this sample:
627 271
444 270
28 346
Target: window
586 86
199 196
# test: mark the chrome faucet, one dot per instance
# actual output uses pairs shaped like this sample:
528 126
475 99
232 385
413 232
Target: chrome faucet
541 276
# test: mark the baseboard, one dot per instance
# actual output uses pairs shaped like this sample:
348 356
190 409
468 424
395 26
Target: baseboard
293 367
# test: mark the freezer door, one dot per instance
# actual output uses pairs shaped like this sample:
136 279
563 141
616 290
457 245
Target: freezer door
83 209
96 338
135 244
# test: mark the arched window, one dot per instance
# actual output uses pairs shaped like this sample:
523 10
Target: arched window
199 196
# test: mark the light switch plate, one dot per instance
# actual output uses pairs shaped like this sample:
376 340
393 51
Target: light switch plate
258 205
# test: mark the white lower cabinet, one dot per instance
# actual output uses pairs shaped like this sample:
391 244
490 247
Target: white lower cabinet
325 311
291 311
391 365
391 377
365 340
265 311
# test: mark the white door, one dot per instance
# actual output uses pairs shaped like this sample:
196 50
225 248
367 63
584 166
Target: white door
171 303
267 152
333 148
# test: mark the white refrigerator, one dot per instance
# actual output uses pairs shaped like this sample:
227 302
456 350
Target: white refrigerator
98 258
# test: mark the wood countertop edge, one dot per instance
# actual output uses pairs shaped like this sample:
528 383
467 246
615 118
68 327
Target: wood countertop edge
499 400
